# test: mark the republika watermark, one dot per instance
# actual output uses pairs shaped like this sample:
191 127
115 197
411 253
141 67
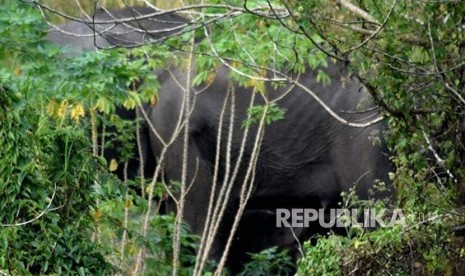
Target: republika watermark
329 218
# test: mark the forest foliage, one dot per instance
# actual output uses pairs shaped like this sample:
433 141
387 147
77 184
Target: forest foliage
64 212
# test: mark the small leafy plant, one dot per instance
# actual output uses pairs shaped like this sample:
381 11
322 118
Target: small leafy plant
271 261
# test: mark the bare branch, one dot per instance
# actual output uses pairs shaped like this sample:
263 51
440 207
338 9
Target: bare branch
247 187
356 10
211 204
141 155
126 214
152 127
221 205
184 173
455 92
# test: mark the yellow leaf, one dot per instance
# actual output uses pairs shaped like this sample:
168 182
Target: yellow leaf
62 109
99 105
98 215
52 108
257 85
358 243
17 71
128 203
132 101
234 64
113 165
129 103
154 100
77 112
211 76
102 105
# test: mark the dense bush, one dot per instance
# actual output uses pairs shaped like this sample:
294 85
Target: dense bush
46 183
62 211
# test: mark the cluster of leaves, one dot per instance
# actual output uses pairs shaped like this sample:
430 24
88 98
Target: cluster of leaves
396 251
271 261
410 242
279 49
273 113
158 242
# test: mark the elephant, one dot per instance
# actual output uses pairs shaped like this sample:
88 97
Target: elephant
305 161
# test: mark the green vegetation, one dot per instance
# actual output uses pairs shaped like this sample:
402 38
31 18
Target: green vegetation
414 68
63 212
46 174
269 262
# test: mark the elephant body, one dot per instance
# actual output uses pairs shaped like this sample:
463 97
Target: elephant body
306 159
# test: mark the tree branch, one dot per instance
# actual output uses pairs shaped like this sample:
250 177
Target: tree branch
38 216
356 10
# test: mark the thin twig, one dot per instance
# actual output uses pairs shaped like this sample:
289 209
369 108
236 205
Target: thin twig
356 10
38 216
